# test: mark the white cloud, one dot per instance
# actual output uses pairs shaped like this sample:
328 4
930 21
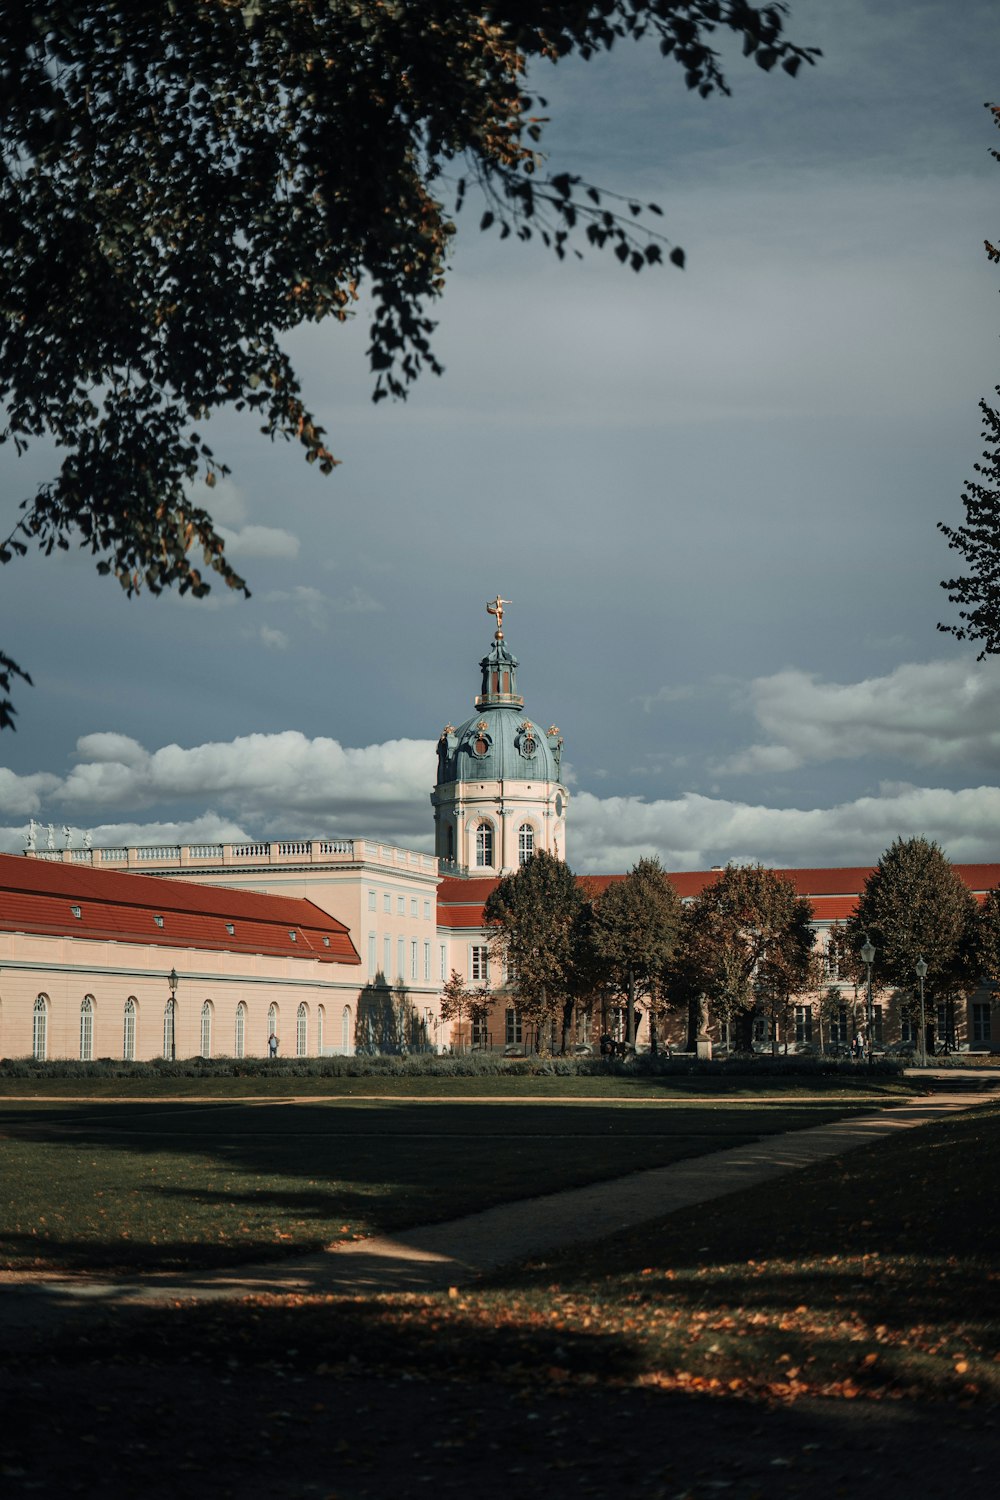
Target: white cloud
937 714
287 785
694 832
272 639
260 541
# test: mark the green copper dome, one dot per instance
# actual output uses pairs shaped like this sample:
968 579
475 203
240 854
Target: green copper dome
498 743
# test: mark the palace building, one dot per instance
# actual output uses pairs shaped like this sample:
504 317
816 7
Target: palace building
336 946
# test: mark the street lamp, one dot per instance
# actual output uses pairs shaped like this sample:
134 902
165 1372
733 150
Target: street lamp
172 980
921 972
868 958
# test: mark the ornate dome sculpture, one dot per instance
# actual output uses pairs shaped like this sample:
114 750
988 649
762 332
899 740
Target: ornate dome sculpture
498 796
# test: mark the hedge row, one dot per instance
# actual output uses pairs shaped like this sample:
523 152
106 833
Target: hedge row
427 1065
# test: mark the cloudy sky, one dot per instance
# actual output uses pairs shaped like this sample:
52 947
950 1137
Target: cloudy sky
711 496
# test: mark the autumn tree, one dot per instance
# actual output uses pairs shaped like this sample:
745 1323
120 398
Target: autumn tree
460 1002
914 905
978 540
185 183
534 918
636 921
745 942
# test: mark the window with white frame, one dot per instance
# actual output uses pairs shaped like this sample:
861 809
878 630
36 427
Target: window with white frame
525 843
401 906
320 1028
240 1039
345 1029
480 1034
512 1027
427 963
982 1030
484 846
371 900
479 963
413 906
128 1038
803 1025
879 1020
386 902
206 1029
87 1028
40 1029
301 1030
272 1024
443 955
413 958
907 1029
386 956
839 1026
427 911
371 954
400 957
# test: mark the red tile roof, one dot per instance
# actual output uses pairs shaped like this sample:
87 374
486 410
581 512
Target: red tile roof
38 896
833 892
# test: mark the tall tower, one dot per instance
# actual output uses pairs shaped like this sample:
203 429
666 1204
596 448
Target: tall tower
498 797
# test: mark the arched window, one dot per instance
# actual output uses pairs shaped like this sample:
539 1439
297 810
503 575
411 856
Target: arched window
484 846
240 1044
169 1033
345 1029
301 1030
320 1026
272 1022
87 1028
128 1040
525 843
206 1029
40 1029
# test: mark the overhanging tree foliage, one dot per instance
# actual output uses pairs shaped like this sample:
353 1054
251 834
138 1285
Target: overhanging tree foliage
978 540
634 933
184 182
535 917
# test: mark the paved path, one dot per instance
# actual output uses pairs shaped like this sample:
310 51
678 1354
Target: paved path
436 1256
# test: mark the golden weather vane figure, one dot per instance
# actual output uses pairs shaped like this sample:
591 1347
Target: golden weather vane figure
495 607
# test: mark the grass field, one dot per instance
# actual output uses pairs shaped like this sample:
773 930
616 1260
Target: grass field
834 1333
173 1183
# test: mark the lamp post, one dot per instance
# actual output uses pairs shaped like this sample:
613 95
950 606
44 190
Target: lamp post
172 980
921 972
868 958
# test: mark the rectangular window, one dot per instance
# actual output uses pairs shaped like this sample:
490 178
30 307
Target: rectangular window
838 1026
371 954
879 1031
512 1027
444 963
981 1025
401 957
427 911
401 906
386 957
386 902
427 962
480 1034
945 1027
831 964
479 964
371 900
413 906
907 1029
413 959
803 1025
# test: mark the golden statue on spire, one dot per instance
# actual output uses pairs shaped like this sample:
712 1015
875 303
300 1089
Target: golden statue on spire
495 607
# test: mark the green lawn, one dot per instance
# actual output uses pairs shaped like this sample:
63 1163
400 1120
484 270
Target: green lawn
169 1184
875 1277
